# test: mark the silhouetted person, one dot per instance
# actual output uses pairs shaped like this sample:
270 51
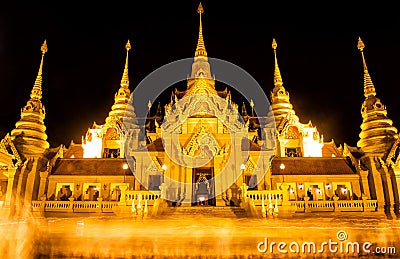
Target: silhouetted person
309 194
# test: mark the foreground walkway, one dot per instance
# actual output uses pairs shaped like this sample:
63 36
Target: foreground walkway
200 237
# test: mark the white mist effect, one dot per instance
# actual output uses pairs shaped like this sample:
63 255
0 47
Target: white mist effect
198 236
20 238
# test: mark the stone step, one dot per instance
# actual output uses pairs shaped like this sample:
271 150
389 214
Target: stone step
223 212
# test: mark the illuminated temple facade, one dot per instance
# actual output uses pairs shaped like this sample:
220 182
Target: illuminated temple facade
294 159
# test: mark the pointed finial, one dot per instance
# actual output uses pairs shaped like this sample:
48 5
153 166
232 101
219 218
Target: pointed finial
277 73
128 45
44 48
200 49
200 9
36 92
360 44
274 44
369 88
252 107
244 110
149 104
125 76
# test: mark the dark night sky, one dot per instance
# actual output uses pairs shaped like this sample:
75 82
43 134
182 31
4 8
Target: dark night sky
320 64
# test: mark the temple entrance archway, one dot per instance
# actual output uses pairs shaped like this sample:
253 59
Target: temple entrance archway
203 187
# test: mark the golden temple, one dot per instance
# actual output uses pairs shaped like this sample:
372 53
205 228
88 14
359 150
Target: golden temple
201 149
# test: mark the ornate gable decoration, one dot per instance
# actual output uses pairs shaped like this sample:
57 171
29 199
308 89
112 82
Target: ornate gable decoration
291 132
202 143
115 123
52 161
354 161
112 134
154 166
393 156
250 165
211 105
3 147
6 145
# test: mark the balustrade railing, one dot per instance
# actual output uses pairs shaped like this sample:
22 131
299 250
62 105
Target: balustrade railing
144 197
266 196
57 205
300 205
370 205
277 197
260 198
335 205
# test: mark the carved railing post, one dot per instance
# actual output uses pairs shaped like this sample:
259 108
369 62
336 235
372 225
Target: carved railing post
276 210
306 204
42 206
133 208
365 203
71 204
123 194
146 210
270 205
336 203
285 194
263 210
100 205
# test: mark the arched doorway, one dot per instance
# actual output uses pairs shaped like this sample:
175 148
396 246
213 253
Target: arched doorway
203 187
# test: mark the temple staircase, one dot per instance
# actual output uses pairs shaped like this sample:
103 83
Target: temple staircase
205 211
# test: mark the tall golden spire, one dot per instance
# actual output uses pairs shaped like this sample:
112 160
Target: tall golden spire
280 101
201 49
369 88
277 73
201 81
36 92
377 133
125 77
29 134
121 98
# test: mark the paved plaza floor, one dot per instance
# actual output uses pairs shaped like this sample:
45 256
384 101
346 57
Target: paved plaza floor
314 235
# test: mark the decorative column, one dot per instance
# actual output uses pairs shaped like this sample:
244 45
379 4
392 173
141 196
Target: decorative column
387 180
10 186
32 183
376 185
42 184
397 181
134 144
356 188
123 188
365 185
285 195
163 190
